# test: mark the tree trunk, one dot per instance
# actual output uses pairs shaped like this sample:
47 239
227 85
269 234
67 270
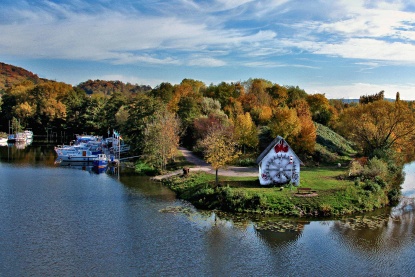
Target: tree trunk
217 179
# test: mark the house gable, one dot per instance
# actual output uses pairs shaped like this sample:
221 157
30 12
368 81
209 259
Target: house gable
278 164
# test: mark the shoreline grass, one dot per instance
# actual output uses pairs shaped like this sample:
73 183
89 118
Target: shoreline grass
336 195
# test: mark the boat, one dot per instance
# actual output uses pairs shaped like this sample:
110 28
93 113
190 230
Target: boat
65 150
101 161
29 134
20 136
11 138
84 156
3 141
83 166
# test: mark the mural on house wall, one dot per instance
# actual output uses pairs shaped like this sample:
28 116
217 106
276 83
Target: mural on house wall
278 164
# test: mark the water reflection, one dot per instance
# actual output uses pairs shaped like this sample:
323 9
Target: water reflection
375 234
29 155
67 222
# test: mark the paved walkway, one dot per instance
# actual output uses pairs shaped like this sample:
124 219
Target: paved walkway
201 165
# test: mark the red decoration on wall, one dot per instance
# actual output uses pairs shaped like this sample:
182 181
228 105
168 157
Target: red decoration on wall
281 147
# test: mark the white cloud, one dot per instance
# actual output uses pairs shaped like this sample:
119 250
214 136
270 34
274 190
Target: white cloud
130 79
230 4
206 62
370 49
355 90
118 38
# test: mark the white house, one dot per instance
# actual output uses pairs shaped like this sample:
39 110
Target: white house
278 164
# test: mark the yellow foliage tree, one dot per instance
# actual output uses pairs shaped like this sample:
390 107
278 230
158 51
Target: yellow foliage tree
285 123
219 147
305 141
245 131
161 139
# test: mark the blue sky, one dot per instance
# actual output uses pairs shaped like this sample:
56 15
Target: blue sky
343 48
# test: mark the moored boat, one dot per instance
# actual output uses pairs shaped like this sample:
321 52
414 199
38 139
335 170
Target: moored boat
101 160
80 156
11 138
20 136
29 134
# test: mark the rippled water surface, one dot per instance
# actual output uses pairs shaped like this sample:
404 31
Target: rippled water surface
60 221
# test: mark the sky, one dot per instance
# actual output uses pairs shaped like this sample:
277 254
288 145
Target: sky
343 48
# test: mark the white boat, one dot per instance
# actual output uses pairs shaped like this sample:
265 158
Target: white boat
29 134
80 156
20 137
65 150
3 141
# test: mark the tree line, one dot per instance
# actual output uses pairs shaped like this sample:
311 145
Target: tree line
248 114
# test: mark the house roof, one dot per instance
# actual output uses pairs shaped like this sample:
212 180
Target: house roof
270 146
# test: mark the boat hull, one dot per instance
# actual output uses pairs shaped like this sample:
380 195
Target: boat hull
78 158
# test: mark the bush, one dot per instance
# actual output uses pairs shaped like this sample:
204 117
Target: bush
246 162
325 209
394 196
356 169
371 186
144 169
375 168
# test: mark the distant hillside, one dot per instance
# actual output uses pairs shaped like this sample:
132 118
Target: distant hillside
331 147
11 75
109 87
349 101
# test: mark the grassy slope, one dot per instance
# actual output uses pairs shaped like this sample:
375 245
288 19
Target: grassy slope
331 147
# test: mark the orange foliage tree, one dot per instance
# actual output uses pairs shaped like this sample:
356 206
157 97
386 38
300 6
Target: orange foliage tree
379 126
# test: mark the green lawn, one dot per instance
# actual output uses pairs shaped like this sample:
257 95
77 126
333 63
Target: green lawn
336 195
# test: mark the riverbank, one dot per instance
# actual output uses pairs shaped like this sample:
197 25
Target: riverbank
334 195
331 190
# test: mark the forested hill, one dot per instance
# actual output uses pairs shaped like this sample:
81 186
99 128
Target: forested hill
11 75
109 87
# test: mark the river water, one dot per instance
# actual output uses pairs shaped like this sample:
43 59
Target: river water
63 221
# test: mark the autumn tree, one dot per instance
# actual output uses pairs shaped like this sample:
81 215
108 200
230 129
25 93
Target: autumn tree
279 94
161 139
233 108
17 102
320 108
219 147
379 126
202 125
305 139
210 106
365 99
285 123
223 92
295 93
245 131
164 91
